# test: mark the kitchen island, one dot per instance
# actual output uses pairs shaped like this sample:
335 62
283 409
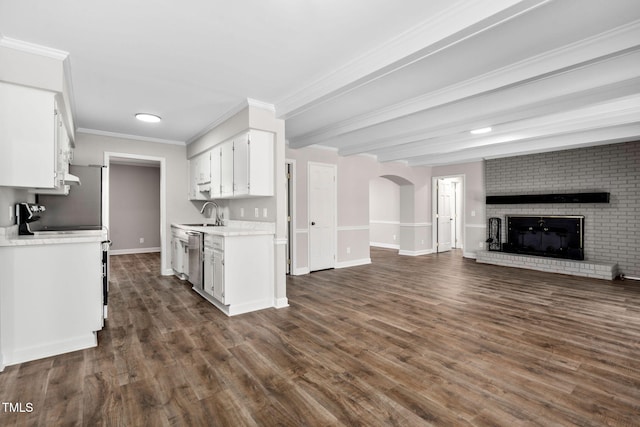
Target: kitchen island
237 266
51 293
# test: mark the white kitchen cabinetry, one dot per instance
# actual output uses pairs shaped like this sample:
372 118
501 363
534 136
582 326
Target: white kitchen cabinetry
29 126
253 164
200 176
216 173
179 253
51 298
238 270
246 166
226 169
214 266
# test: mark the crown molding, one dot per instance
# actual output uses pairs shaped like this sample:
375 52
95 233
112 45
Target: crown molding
601 47
459 21
248 102
128 136
260 104
33 48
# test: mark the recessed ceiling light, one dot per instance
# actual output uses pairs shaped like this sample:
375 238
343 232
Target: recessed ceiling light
480 131
149 118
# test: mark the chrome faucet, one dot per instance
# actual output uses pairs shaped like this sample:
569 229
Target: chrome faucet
218 219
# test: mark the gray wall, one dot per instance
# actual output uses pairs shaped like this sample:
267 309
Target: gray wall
611 230
134 208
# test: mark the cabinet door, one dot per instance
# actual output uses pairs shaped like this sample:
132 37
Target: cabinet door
208 271
241 165
218 276
174 254
195 171
226 169
27 137
204 168
216 173
260 164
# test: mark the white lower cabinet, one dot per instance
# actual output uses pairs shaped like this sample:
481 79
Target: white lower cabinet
179 253
238 272
51 299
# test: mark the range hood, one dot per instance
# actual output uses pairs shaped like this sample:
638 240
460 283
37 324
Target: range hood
70 179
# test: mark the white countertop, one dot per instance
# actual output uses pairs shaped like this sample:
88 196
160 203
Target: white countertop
233 229
9 237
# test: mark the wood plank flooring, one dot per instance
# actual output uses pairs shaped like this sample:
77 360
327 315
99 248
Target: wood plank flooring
430 340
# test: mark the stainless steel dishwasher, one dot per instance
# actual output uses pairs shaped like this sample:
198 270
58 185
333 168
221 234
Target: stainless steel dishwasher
195 250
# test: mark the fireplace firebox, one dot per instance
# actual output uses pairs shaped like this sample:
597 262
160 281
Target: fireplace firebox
550 236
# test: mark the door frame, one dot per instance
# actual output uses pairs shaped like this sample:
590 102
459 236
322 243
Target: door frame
434 208
108 157
335 213
290 165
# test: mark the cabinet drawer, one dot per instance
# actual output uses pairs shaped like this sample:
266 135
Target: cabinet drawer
214 242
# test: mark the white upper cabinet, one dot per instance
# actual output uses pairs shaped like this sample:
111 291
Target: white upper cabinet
200 176
253 168
216 174
226 169
239 167
204 168
28 137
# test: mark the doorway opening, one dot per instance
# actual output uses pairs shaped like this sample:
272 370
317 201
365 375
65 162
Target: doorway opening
392 215
448 213
128 163
290 195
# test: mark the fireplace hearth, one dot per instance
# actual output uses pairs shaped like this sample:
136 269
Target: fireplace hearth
549 236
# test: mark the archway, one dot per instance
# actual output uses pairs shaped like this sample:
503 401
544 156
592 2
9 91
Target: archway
392 214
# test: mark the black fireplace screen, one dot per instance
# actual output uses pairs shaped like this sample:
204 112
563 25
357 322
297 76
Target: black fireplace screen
550 236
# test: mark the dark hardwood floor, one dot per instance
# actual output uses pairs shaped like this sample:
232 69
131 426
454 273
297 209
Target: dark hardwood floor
430 340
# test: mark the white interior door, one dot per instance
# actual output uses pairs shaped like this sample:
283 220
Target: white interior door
322 211
445 194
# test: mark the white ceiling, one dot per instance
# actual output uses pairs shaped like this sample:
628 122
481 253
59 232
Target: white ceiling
401 80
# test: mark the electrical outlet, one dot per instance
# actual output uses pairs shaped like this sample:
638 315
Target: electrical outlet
257 213
264 212
142 240
394 237
241 212
422 242
481 245
473 213
348 250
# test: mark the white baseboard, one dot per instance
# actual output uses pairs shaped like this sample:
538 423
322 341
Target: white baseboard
49 349
281 303
353 263
384 245
471 255
134 251
416 253
300 271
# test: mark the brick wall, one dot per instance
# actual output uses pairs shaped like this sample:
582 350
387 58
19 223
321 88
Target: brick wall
612 231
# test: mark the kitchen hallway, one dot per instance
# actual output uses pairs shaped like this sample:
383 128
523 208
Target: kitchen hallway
428 340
